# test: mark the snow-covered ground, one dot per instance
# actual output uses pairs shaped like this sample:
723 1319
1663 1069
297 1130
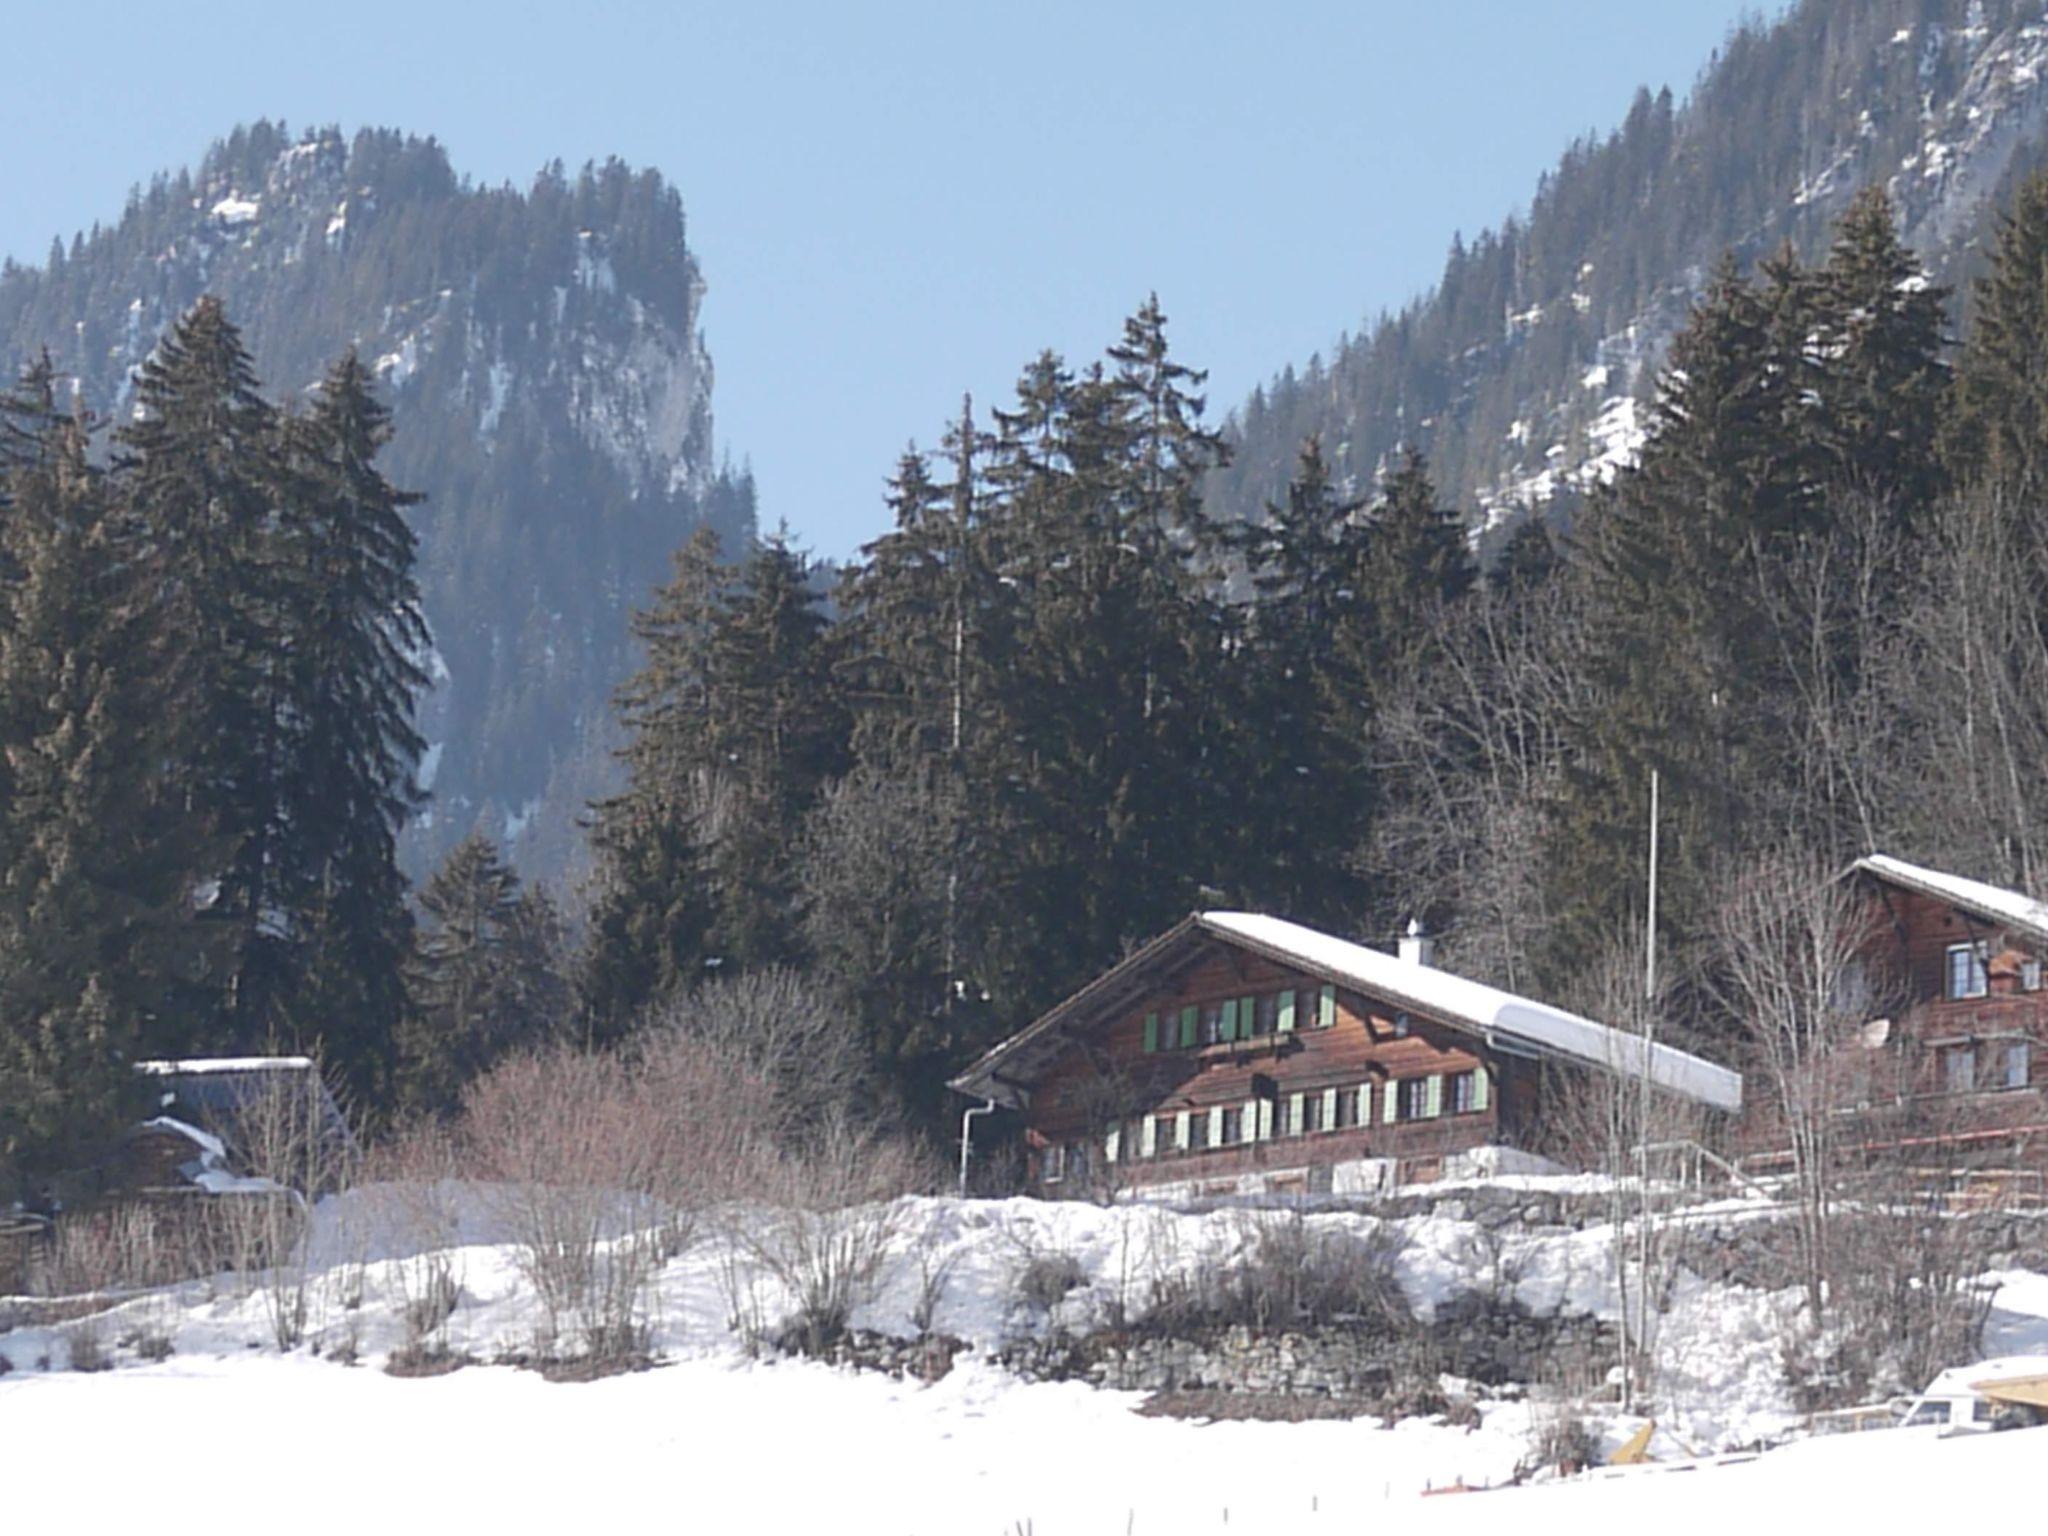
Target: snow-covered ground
713 1440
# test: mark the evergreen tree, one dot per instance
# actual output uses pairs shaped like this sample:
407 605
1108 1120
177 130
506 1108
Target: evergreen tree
1878 333
778 736
1999 433
93 921
354 627
486 977
1305 771
200 480
735 726
1676 657
653 910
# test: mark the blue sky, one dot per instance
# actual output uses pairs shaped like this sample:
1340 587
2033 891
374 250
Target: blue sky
895 202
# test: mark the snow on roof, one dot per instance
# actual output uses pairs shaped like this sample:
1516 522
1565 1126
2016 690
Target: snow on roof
199 1065
1964 1380
208 1145
1494 1014
1989 901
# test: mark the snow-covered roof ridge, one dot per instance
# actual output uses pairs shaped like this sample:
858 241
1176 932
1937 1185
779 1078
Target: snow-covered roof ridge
199 1065
1491 1012
1990 901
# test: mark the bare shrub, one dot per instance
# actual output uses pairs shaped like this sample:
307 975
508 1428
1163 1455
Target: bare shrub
86 1345
574 1146
935 1269
1905 1303
415 1175
1560 1438
827 1216
286 1138
1288 1275
1042 1280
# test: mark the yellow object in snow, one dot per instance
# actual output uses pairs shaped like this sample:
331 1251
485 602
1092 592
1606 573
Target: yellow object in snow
2029 1391
1636 1449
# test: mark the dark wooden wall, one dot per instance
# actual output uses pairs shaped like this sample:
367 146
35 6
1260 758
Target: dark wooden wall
1107 1075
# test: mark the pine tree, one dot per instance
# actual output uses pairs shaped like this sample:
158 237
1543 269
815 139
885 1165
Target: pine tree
93 920
486 977
1676 657
778 736
200 480
1998 437
1878 332
653 910
354 627
1304 770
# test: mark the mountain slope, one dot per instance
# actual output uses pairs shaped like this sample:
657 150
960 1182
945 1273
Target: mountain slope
1524 372
551 394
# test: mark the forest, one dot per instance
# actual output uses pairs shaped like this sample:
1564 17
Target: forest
1062 702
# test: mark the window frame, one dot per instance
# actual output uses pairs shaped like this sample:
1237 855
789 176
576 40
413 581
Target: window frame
1954 1056
1979 953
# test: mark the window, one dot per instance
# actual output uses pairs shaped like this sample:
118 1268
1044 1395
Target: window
1311 1112
1266 1017
1414 1098
1233 1127
2017 1060
1347 1109
1849 996
1464 1098
1077 1160
1959 1069
1198 1131
1400 1026
2030 975
1052 1164
1968 970
1212 1021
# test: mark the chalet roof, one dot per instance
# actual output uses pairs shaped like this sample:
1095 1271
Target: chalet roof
1992 903
217 1092
1500 1018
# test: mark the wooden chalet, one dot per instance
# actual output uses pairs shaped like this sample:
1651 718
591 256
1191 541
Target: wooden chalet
1945 1063
1238 1053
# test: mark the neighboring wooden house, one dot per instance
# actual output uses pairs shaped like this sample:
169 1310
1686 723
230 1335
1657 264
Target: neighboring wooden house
1945 1061
1243 1053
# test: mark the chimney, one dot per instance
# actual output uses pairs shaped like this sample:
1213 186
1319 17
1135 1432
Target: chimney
1417 947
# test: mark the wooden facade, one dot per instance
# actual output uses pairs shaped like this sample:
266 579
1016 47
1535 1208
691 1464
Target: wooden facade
1207 1066
1949 1063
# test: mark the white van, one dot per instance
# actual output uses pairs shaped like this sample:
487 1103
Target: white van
2010 1392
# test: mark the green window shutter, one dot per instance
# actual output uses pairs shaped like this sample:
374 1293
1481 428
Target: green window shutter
1433 1101
1326 1007
1216 1126
1230 1019
1148 1136
1329 1109
1285 1025
1295 1102
1247 1013
1113 1143
1265 1119
1482 1093
1390 1102
1365 1104
1182 1129
1187 1026
1151 1032
1248 1130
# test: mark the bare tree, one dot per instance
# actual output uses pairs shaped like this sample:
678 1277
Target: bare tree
1793 965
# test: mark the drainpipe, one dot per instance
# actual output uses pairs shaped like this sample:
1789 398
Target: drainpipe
987 1107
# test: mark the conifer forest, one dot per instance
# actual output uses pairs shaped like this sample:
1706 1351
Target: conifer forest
1064 700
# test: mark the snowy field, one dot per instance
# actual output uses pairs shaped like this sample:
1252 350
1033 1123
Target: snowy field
711 1440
